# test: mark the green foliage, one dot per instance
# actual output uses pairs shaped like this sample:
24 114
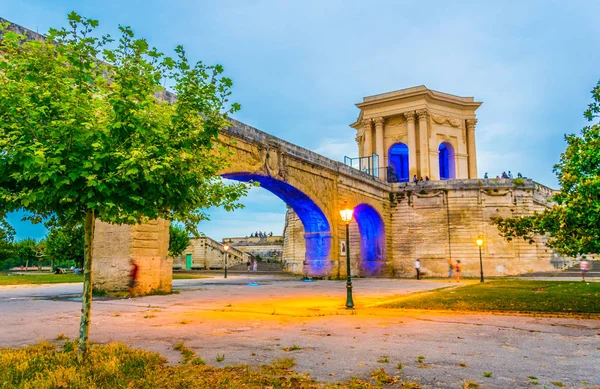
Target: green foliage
179 240
573 224
65 244
78 134
7 235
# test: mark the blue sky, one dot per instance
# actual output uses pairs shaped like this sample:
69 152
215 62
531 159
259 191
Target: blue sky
300 66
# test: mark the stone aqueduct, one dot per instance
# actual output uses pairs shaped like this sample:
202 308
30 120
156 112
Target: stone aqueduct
395 222
410 132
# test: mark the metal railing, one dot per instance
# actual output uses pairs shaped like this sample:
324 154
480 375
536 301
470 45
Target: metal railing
365 164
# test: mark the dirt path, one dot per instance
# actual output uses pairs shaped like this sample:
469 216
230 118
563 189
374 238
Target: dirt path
253 324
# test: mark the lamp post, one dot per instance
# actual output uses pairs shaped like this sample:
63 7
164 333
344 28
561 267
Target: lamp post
479 244
225 247
347 218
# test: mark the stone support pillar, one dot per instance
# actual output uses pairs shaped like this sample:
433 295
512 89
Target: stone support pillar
412 144
148 244
368 145
423 144
379 147
472 154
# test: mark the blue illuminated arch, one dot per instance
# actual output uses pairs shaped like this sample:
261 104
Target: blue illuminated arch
398 161
372 238
447 161
316 226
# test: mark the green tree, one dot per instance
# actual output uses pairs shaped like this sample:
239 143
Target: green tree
7 236
27 251
179 240
65 244
87 133
573 224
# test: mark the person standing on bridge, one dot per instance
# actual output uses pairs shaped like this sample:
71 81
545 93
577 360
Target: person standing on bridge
255 265
248 263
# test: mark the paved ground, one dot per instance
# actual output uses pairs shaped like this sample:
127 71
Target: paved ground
252 324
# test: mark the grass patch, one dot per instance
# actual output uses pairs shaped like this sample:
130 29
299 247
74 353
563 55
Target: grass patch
384 359
512 295
188 276
115 365
38 278
487 374
293 347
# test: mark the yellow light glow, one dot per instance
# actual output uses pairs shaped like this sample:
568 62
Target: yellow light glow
225 247
346 214
479 241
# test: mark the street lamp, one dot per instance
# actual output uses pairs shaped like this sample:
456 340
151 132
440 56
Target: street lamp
479 244
347 218
225 247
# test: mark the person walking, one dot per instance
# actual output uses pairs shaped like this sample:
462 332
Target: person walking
133 276
248 263
457 270
450 269
255 265
584 266
418 269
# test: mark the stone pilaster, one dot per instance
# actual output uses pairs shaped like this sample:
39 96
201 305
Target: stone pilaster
368 137
412 144
379 149
472 156
423 143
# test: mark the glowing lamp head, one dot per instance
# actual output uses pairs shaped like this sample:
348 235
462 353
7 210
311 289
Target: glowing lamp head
479 241
346 214
225 247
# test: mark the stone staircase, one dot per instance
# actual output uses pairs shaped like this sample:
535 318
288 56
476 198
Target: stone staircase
572 271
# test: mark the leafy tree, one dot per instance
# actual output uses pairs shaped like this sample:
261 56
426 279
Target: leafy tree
29 250
87 133
64 244
179 240
573 224
7 235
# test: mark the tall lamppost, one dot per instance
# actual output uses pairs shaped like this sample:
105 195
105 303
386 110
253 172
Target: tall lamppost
347 218
225 247
479 244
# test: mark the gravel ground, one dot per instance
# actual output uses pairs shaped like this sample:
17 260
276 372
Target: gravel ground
253 325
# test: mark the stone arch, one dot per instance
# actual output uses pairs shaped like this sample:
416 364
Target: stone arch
447 161
372 239
398 162
317 230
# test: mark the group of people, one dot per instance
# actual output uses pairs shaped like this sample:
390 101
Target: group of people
453 268
259 234
252 264
504 175
415 179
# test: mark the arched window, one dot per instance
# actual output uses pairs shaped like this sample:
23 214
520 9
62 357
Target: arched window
447 161
398 162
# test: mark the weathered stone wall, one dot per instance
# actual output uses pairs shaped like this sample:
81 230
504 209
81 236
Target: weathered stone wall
441 220
147 244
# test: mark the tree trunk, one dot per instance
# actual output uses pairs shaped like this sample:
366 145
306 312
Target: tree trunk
86 298
26 264
39 265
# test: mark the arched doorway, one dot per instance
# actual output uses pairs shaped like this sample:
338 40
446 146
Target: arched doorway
316 226
398 162
372 239
447 161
